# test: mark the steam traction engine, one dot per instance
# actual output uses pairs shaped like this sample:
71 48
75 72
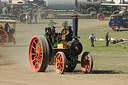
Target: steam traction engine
62 48
7 32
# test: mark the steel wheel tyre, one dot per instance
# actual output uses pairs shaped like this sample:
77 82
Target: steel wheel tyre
3 38
87 62
39 53
60 62
101 16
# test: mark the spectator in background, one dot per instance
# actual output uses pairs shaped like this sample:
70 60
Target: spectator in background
26 17
35 16
7 27
107 39
92 38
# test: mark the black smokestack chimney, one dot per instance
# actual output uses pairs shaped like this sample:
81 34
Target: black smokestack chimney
75 26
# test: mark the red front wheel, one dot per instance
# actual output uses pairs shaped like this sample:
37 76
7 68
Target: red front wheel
39 53
87 62
3 38
60 62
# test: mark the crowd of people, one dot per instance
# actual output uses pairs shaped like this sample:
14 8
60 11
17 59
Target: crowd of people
29 16
10 10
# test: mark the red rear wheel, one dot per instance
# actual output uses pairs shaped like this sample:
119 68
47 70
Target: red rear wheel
101 16
39 53
86 62
60 62
115 28
3 38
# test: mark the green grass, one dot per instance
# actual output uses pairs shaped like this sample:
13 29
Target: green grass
114 57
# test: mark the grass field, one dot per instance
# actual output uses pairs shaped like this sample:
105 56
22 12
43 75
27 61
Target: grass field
113 58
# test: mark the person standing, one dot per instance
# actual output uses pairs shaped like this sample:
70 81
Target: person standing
7 27
92 38
26 17
35 16
107 39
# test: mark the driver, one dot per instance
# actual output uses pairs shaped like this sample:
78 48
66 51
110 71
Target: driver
7 27
64 31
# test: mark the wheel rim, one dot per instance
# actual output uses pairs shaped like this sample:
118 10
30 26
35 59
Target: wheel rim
59 63
35 54
3 38
86 63
114 28
101 17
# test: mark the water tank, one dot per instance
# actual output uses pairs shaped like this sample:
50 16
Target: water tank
61 4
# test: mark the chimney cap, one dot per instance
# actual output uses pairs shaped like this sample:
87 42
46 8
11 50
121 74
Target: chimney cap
75 16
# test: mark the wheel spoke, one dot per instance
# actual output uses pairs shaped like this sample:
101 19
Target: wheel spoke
61 61
36 63
59 56
58 66
36 66
34 42
41 54
61 68
87 67
34 60
34 48
4 35
33 54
